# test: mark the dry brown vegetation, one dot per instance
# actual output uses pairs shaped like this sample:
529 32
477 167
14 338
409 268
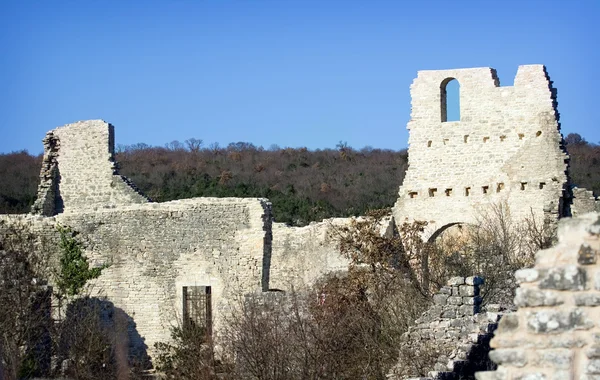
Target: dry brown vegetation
351 325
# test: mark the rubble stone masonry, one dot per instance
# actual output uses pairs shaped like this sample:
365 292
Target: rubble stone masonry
555 333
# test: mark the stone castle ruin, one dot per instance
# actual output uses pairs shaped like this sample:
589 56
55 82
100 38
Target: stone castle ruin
167 258
506 147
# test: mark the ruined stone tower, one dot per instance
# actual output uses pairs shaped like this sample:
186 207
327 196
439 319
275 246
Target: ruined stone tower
79 172
506 147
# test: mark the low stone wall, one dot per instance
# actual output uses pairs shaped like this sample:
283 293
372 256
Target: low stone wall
555 333
453 332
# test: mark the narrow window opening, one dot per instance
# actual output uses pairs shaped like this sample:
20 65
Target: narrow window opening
485 189
500 187
467 191
538 133
521 135
429 144
197 308
432 192
485 139
502 138
466 138
450 100
445 141
448 192
523 185
412 194
542 184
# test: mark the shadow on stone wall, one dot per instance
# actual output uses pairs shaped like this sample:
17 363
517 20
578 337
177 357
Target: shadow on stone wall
98 338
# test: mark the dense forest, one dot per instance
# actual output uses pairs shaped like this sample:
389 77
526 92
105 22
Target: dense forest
302 184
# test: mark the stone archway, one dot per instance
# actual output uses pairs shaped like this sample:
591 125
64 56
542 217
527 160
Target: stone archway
442 229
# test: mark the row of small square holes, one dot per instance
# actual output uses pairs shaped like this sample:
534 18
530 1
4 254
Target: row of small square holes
487 138
484 190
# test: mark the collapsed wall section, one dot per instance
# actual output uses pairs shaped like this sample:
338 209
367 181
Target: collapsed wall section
302 255
506 147
79 172
453 335
555 333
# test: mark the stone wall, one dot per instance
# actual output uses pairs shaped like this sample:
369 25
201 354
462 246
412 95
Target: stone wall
555 333
453 333
301 255
154 250
507 147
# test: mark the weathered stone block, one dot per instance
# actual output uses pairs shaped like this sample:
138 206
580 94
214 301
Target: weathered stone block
590 299
456 281
570 277
593 366
554 358
527 297
508 322
467 310
555 321
527 275
455 300
512 357
468 291
445 290
440 299
499 374
451 313
593 352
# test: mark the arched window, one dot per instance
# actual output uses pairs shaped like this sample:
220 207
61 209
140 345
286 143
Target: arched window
450 91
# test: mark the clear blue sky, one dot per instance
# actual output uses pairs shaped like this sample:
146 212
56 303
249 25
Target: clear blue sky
292 73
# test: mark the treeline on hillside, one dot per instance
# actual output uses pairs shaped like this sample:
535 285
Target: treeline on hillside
302 184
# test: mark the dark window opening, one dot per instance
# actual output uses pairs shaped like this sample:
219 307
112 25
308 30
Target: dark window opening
521 135
429 143
432 192
500 187
448 192
502 138
450 100
466 138
523 185
538 133
485 189
485 139
542 184
197 308
467 191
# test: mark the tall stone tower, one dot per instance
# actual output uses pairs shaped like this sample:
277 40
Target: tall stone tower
506 148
